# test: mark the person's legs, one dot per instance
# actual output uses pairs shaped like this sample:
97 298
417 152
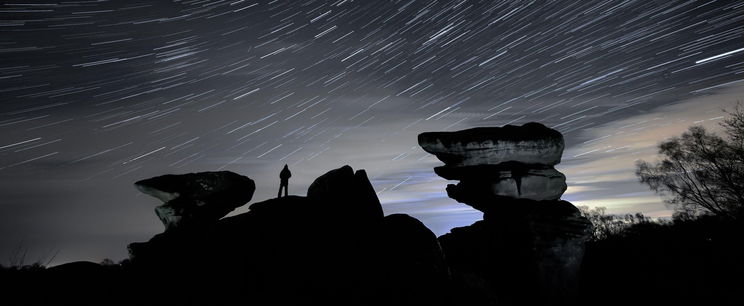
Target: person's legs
279 195
286 190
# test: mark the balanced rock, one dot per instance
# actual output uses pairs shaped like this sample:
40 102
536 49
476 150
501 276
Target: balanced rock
531 143
529 247
197 198
490 162
333 247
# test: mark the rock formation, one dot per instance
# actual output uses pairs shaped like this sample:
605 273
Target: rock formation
337 188
333 247
197 198
510 161
529 247
532 143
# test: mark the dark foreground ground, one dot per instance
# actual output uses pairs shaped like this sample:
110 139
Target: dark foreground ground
697 262
694 262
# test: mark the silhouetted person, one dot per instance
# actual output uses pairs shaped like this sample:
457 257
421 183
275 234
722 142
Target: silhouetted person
284 176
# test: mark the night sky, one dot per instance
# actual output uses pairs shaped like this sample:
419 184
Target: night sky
99 94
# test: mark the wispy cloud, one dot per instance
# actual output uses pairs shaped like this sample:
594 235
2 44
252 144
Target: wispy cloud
600 170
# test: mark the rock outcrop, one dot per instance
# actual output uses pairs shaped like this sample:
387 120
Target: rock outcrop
195 199
333 247
529 247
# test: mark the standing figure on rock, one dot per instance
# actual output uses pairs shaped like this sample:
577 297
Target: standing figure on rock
284 176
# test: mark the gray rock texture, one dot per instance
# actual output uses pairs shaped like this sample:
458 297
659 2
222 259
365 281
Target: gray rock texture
529 247
531 143
197 198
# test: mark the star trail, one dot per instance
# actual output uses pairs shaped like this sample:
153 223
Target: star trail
99 94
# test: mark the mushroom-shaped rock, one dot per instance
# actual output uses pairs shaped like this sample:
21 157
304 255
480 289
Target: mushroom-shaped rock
197 198
531 143
507 173
494 162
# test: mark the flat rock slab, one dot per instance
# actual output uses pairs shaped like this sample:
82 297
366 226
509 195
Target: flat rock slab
531 143
532 184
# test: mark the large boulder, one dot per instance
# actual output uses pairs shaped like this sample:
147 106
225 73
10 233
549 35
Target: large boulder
525 253
413 246
197 198
531 143
344 191
414 263
514 162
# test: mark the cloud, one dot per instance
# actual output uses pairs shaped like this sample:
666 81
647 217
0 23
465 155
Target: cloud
600 170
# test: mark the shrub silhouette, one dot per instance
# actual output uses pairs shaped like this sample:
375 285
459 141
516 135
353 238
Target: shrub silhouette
607 226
